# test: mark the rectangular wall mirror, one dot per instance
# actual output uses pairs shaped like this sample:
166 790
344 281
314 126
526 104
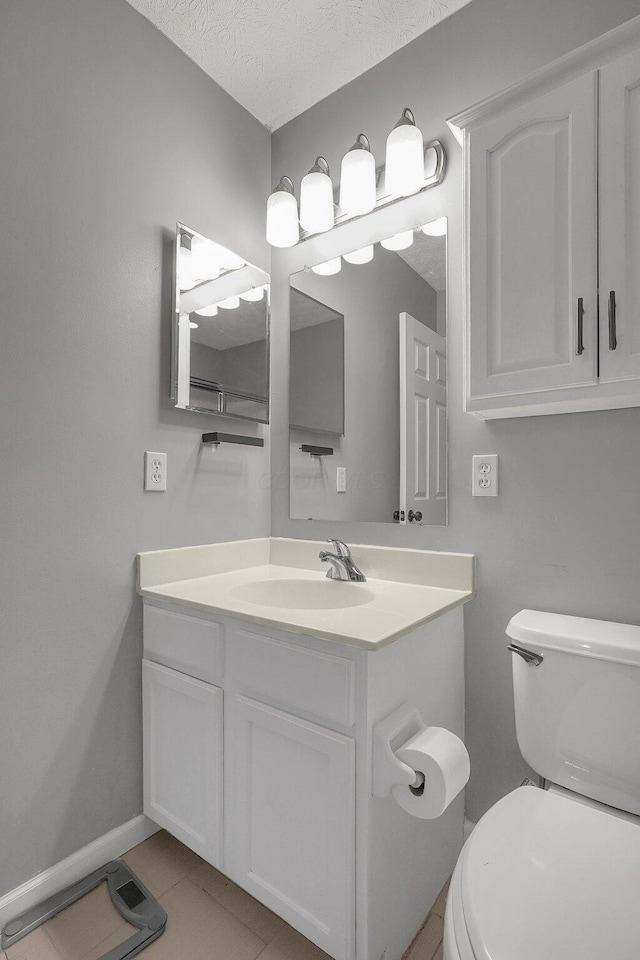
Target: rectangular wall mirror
220 361
368 383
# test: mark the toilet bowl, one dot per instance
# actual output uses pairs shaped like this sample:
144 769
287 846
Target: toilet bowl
546 877
554 874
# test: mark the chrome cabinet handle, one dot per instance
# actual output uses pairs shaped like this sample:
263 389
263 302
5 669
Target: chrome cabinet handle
580 344
533 659
613 338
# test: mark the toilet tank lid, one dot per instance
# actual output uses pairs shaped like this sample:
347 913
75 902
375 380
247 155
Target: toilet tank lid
600 639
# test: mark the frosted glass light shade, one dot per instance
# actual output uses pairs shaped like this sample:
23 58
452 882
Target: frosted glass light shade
358 179
230 303
253 295
400 241
363 255
210 311
437 228
316 199
193 325
328 268
404 164
282 217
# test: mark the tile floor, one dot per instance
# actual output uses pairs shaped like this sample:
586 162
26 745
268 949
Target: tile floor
210 918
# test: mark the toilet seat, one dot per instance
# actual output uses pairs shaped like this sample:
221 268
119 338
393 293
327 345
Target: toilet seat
545 876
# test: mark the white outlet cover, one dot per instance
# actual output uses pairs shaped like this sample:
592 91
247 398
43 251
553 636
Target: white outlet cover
155 472
341 479
484 475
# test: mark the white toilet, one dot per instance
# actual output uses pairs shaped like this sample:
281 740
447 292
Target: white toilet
554 873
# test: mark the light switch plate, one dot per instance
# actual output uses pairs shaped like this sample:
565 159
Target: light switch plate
484 475
341 479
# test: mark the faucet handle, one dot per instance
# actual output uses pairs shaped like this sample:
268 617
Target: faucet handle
340 548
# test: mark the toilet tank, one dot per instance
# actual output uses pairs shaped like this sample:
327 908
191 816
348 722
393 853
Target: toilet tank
578 711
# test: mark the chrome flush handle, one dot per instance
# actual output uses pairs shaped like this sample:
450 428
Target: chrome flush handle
533 659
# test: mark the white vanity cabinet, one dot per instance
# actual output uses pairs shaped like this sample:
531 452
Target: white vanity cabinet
258 753
551 185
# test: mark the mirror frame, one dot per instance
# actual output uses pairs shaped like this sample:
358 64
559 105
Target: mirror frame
176 336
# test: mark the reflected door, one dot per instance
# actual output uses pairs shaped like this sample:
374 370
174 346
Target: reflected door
423 423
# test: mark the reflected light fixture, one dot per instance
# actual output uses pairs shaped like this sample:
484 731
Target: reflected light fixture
210 311
328 268
230 303
185 263
358 179
404 164
316 199
437 228
193 325
205 259
363 255
400 241
228 259
282 215
254 295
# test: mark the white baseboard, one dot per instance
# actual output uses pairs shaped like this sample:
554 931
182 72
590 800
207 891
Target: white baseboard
108 847
466 829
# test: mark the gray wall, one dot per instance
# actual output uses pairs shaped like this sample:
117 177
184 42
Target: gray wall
371 297
108 136
564 534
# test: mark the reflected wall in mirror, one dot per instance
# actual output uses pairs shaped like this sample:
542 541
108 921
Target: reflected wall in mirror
368 379
220 360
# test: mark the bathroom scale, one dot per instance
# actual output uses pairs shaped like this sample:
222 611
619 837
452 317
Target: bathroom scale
129 896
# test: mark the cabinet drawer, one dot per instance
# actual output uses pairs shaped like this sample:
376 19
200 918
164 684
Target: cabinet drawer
306 681
189 644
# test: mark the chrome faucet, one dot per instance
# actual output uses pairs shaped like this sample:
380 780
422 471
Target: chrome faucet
342 564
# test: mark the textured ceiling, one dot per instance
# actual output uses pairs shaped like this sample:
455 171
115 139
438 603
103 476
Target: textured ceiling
279 57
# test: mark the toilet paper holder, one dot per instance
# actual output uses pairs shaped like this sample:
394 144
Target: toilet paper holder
388 736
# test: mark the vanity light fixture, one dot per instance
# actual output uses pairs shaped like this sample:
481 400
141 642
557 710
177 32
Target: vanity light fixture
410 168
282 215
254 295
358 179
404 164
193 325
328 268
437 228
363 255
210 311
400 241
230 303
316 199
185 263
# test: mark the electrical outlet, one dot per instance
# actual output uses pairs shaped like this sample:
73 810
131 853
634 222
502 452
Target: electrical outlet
155 471
484 475
341 479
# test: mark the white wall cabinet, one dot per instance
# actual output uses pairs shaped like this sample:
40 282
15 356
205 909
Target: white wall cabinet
293 820
551 188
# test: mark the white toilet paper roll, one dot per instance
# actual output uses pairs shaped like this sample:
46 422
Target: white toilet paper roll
443 760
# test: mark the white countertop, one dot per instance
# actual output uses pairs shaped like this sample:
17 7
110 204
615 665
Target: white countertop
211 577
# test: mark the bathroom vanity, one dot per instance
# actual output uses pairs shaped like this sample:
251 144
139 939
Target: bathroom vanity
263 682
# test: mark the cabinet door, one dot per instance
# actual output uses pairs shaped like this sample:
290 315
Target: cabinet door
292 837
182 720
620 219
532 249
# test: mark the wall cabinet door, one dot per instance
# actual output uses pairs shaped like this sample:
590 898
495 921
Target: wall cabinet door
182 721
533 248
291 843
619 186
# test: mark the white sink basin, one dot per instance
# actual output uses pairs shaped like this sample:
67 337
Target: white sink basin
303 594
